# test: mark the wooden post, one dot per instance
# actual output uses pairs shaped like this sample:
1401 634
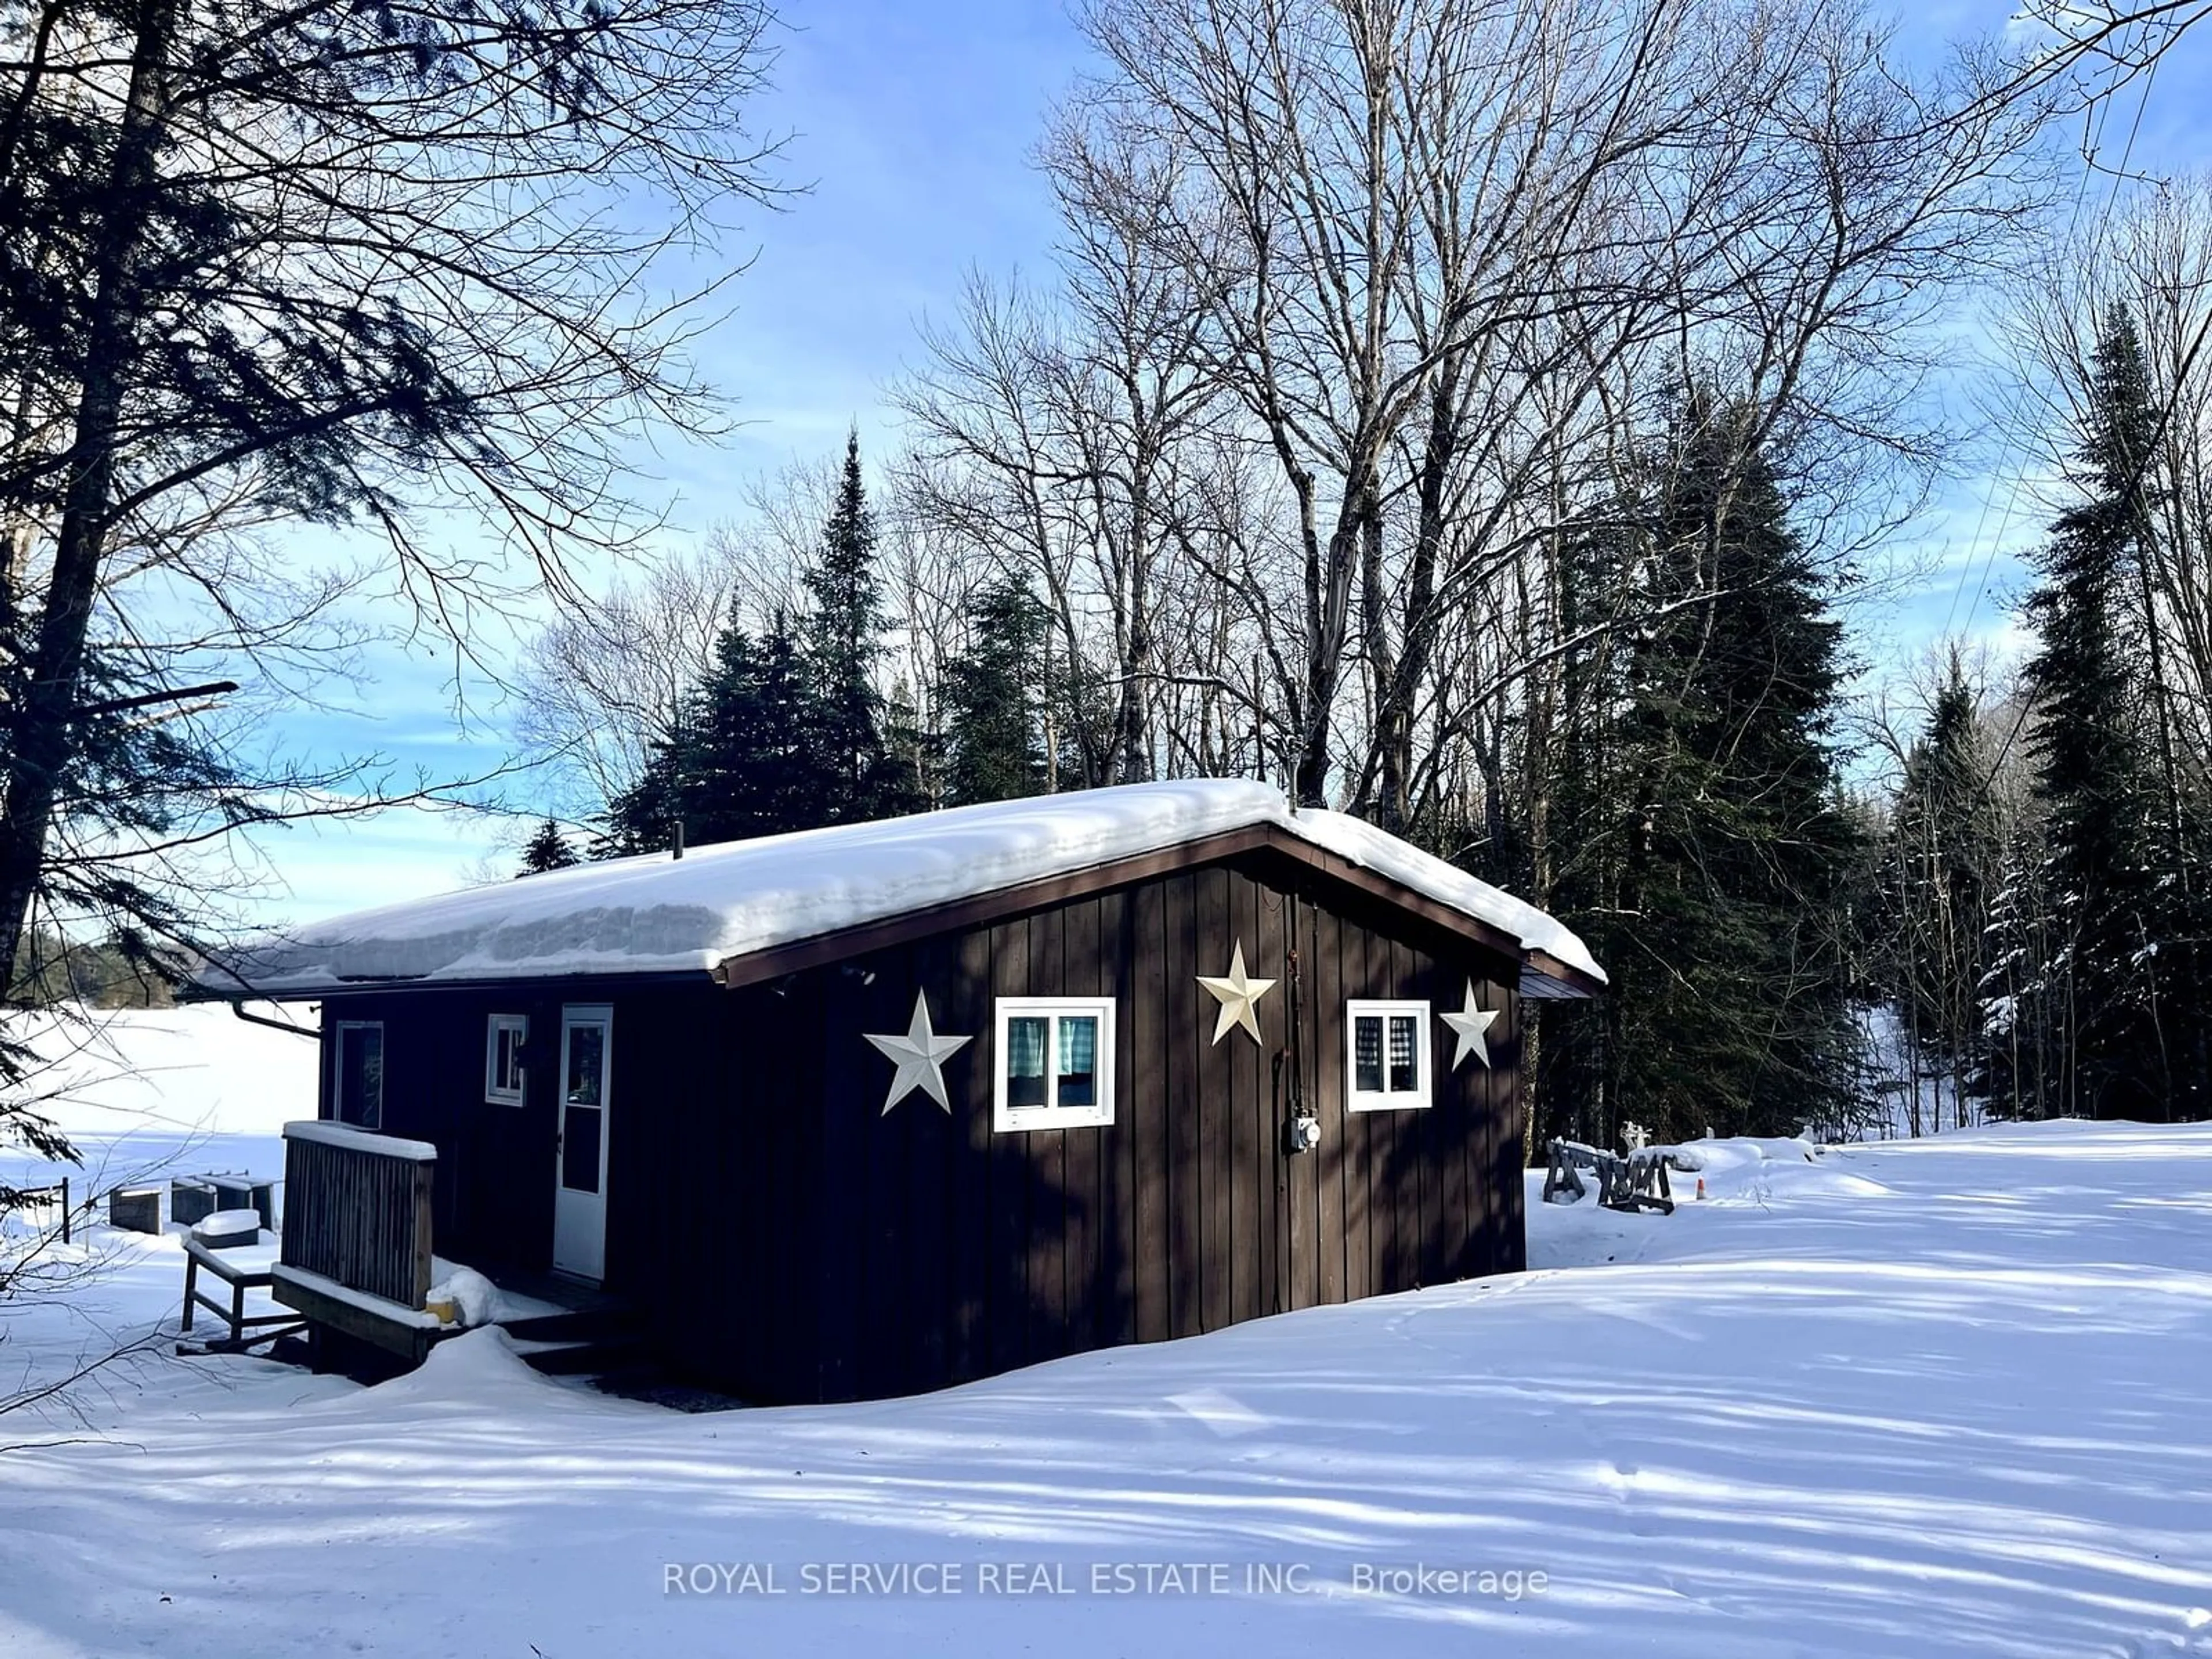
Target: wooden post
423 1260
65 1210
191 1283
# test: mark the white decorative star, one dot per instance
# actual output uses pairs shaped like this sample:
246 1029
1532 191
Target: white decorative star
1237 996
1469 1024
919 1056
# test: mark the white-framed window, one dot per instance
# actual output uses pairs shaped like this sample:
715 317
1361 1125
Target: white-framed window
357 1081
1055 1067
1386 1055
504 1036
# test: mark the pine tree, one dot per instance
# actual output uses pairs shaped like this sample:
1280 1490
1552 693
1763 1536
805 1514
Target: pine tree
745 759
1718 893
643 817
1936 892
994 749
2087 744
1585 830
2019 1051
864 776
755 768
787 730
548 850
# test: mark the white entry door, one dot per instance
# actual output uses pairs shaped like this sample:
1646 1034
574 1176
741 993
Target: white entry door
580 1195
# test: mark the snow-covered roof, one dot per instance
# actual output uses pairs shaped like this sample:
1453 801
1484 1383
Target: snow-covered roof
657 914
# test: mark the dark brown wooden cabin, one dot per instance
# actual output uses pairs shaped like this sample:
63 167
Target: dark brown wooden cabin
787 1234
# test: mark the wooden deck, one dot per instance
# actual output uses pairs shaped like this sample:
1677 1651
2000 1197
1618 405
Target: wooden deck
354 1253
567 1295
355 1259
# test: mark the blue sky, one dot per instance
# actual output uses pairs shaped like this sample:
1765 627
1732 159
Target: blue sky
912 125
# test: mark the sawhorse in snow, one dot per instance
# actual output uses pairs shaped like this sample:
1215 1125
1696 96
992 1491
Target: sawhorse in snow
1637 1181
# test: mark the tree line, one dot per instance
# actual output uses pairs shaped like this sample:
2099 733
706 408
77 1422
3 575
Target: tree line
1476 417
789 726
2045 925
1407 420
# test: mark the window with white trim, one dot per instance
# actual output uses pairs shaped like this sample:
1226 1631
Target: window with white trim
357 1081
1055 1063
504 1036
1386 1055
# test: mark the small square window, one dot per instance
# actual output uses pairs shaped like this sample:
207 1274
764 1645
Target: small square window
1387 1058
357 1087
504 1037
1055 1063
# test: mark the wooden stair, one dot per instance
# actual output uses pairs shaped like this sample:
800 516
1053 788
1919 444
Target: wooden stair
587 1342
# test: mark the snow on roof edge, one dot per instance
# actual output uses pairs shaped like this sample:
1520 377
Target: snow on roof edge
655 914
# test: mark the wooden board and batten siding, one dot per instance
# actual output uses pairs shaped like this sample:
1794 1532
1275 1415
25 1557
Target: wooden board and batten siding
799 1242
785 1238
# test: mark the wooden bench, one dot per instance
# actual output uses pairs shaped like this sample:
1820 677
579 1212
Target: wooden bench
246 1331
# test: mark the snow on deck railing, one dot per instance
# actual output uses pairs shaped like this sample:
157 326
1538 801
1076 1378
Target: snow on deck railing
360 1140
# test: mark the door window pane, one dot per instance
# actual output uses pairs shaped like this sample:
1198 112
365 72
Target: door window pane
1026 1039
579 1149
1078 1060
1367 1053
587 1048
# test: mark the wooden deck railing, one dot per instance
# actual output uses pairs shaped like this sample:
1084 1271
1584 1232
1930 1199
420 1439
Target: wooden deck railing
357 1210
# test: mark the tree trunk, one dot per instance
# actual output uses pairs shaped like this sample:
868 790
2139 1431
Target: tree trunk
41 734
1328 602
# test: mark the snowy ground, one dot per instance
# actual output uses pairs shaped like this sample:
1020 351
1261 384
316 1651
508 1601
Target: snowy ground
1910 1398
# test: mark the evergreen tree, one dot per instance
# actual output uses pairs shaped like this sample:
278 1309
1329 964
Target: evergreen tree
994 751
2019 1051
743 760
643 817
755 767
1586 831
548 850
2088 748
1709 845
863 775
1936 891
787 730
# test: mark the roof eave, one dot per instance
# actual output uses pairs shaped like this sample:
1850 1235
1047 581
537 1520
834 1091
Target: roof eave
1545 978
1540 974
385 985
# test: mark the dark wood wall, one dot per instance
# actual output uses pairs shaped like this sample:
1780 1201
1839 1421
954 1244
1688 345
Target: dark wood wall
786 1237
494 1185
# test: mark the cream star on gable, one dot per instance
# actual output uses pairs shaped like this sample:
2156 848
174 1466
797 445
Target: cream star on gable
1238 994
1469 1025
919 1056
